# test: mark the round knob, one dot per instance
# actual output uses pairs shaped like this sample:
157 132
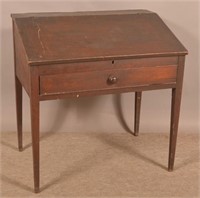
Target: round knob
112 79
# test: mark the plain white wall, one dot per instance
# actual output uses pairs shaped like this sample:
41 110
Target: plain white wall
109 113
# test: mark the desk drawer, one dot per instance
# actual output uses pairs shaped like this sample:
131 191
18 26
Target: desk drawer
106 79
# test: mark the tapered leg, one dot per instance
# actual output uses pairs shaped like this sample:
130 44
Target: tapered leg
175 111
18 90
35 117
138 97
35 142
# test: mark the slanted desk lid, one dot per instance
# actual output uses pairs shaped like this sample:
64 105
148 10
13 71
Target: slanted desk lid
89 36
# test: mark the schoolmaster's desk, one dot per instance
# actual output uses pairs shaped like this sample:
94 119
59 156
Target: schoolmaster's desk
59 55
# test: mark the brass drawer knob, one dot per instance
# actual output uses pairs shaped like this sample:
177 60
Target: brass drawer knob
112 79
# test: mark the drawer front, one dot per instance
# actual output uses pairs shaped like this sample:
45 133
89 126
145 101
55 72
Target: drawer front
106 79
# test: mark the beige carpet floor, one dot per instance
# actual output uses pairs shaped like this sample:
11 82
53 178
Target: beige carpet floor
101 165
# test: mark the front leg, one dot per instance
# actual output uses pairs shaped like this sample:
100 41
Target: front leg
35 107
35 141
175 111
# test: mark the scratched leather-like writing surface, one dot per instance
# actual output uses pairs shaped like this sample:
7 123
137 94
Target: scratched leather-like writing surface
66 38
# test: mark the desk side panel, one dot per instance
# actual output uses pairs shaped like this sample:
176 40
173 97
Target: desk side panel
22 68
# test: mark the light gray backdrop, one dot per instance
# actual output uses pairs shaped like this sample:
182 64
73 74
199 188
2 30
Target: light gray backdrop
109 113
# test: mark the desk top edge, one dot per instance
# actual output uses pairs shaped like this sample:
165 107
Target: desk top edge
80 13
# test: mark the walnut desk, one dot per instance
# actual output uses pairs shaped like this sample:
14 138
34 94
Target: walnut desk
59 55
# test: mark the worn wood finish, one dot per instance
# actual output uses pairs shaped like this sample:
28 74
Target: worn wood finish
175 111
96 37
138 98
59 55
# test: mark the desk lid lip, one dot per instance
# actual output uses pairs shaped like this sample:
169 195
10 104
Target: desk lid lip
103 58
80 13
